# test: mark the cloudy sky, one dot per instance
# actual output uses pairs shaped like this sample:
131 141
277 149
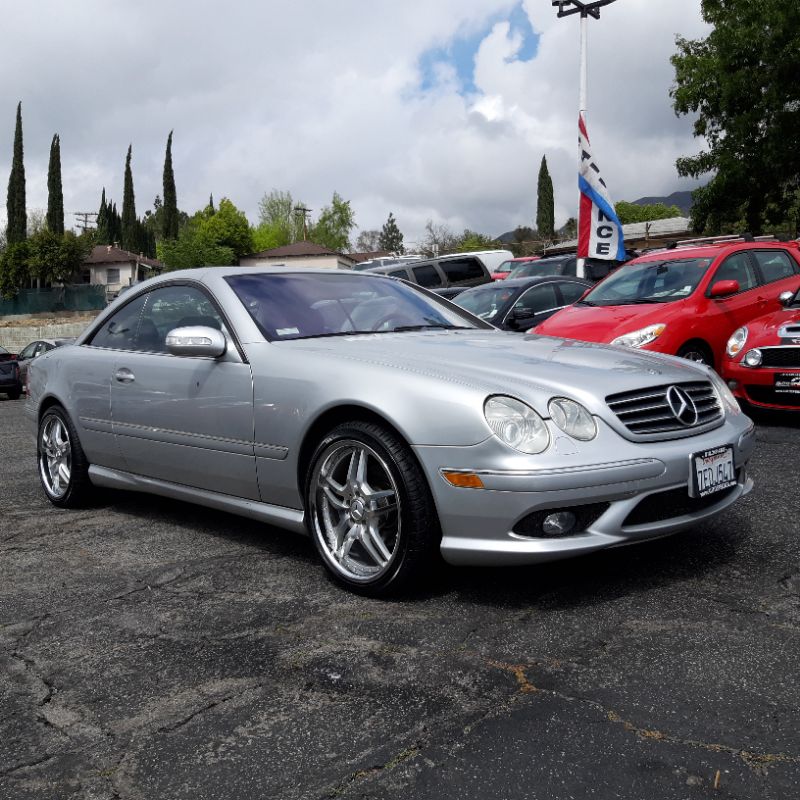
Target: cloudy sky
432 110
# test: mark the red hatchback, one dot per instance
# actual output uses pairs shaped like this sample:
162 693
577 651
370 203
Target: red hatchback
684 301
762 363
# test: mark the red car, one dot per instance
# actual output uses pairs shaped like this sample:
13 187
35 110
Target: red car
762 363
504 270
684 301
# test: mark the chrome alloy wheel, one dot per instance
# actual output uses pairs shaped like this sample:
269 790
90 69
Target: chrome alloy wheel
355 510
696 356
55 457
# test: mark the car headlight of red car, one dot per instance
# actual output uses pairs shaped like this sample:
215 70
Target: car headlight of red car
641 337
737 342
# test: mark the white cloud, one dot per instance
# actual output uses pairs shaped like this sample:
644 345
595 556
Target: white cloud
315 97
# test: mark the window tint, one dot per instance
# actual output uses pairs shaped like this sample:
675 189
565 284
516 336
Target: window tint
119 331
427 276
173 307
774 264
459 270
28 351
536 300
737 268
570 267
399 273
570 292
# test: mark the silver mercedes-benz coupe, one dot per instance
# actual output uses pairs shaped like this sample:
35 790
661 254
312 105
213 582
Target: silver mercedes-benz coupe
383 420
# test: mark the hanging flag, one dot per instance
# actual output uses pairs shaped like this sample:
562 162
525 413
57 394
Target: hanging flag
599 229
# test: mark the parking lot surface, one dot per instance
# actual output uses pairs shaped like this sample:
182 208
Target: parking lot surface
152 649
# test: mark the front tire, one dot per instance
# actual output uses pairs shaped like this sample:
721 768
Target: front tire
698 352
63 468
370 510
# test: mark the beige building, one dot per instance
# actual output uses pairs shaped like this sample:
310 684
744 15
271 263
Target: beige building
115 268
299 254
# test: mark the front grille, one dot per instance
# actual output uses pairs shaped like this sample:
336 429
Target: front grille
780 356
768 396
646 411
672 504
585 515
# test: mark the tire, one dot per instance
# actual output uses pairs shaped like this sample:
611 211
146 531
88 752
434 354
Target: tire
697 351
63 468
14 394
370 510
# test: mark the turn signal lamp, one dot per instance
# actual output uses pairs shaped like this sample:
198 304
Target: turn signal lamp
463 480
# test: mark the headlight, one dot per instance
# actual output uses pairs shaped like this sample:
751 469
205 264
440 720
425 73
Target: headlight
642 337
726 397
736 342
573 419
752 358
516 424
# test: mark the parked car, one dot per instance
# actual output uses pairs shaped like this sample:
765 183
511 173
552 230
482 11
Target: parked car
507 267
385 422
385 261
684 301
595 269
35 349
454 270
762 363
521 303
10 383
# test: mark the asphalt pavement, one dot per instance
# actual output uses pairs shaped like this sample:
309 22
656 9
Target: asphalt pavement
153 649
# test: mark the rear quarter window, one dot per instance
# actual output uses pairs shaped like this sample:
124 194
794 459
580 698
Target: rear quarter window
775 264
459 270
427 276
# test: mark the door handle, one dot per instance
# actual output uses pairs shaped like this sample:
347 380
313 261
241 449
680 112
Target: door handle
124 375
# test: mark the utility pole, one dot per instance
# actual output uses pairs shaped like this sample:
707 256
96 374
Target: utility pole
586 9
85 220
305 212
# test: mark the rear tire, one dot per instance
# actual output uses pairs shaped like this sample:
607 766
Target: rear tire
370 510
14 394
697 351
63 468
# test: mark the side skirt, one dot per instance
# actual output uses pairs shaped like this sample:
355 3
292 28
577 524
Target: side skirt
289 518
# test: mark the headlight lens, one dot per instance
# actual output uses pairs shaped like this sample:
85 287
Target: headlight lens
573 419
641 337
753 358
516 424
726 396
736 342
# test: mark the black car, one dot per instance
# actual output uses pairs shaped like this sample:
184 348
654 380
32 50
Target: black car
36 349
567 265
517 304
10 382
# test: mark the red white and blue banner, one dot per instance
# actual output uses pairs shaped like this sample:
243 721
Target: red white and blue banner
599 229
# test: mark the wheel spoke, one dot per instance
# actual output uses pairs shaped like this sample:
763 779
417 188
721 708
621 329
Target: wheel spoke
381 502
336 502
63 472
347 544
374 545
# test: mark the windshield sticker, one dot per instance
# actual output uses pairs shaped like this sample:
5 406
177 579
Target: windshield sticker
287 331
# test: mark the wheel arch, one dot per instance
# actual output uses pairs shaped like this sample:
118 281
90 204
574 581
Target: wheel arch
45 404
699 341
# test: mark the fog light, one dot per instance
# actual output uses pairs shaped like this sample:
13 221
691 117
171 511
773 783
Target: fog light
733 385
558 524
753 358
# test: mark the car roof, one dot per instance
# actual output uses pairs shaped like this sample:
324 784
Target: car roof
710 250
532 280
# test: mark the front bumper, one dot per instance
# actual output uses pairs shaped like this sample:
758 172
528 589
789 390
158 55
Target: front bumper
478 524
756 386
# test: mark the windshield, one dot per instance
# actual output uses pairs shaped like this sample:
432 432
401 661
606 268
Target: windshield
541 267
649 282
486 301
300 306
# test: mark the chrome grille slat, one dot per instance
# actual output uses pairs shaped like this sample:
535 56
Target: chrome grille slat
648 413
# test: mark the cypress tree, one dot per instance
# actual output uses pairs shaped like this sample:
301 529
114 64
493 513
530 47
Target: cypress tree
17 230
391 238
102 234
55 193
545 203
170 221
129 237
210 206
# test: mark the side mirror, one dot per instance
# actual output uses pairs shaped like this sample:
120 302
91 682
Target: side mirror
196 340
784 298
724 288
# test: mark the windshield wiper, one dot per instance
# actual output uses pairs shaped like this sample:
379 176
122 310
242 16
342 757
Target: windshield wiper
425 327
639 301
585 303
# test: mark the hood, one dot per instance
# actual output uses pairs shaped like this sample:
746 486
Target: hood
779 327
534 368
605 323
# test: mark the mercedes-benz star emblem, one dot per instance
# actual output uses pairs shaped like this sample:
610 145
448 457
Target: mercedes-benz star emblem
682 406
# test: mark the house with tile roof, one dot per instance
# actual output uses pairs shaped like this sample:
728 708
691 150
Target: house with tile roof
299 254
114 268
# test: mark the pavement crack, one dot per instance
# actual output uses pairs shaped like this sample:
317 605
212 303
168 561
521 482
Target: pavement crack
210 706
4 773
406 754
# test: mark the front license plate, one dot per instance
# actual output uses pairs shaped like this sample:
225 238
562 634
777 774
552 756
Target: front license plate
787 382
712 471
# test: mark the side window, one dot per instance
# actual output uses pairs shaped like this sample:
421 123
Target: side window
119 331
427 276
571 292
774 265
570 267
28 351
536 300
399 273
737 268
459 270
173 307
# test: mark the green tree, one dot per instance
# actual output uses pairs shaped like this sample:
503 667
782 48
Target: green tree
55 193
54 258
633 212
333 226
391 238
278 222
14 268
130 234
545 202
741 82
471 240
170 221
228 227
17 229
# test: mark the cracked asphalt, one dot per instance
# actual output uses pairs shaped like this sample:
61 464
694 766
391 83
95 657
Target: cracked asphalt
152 649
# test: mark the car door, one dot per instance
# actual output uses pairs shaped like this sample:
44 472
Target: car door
28 353
533 306
182 419
777 272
